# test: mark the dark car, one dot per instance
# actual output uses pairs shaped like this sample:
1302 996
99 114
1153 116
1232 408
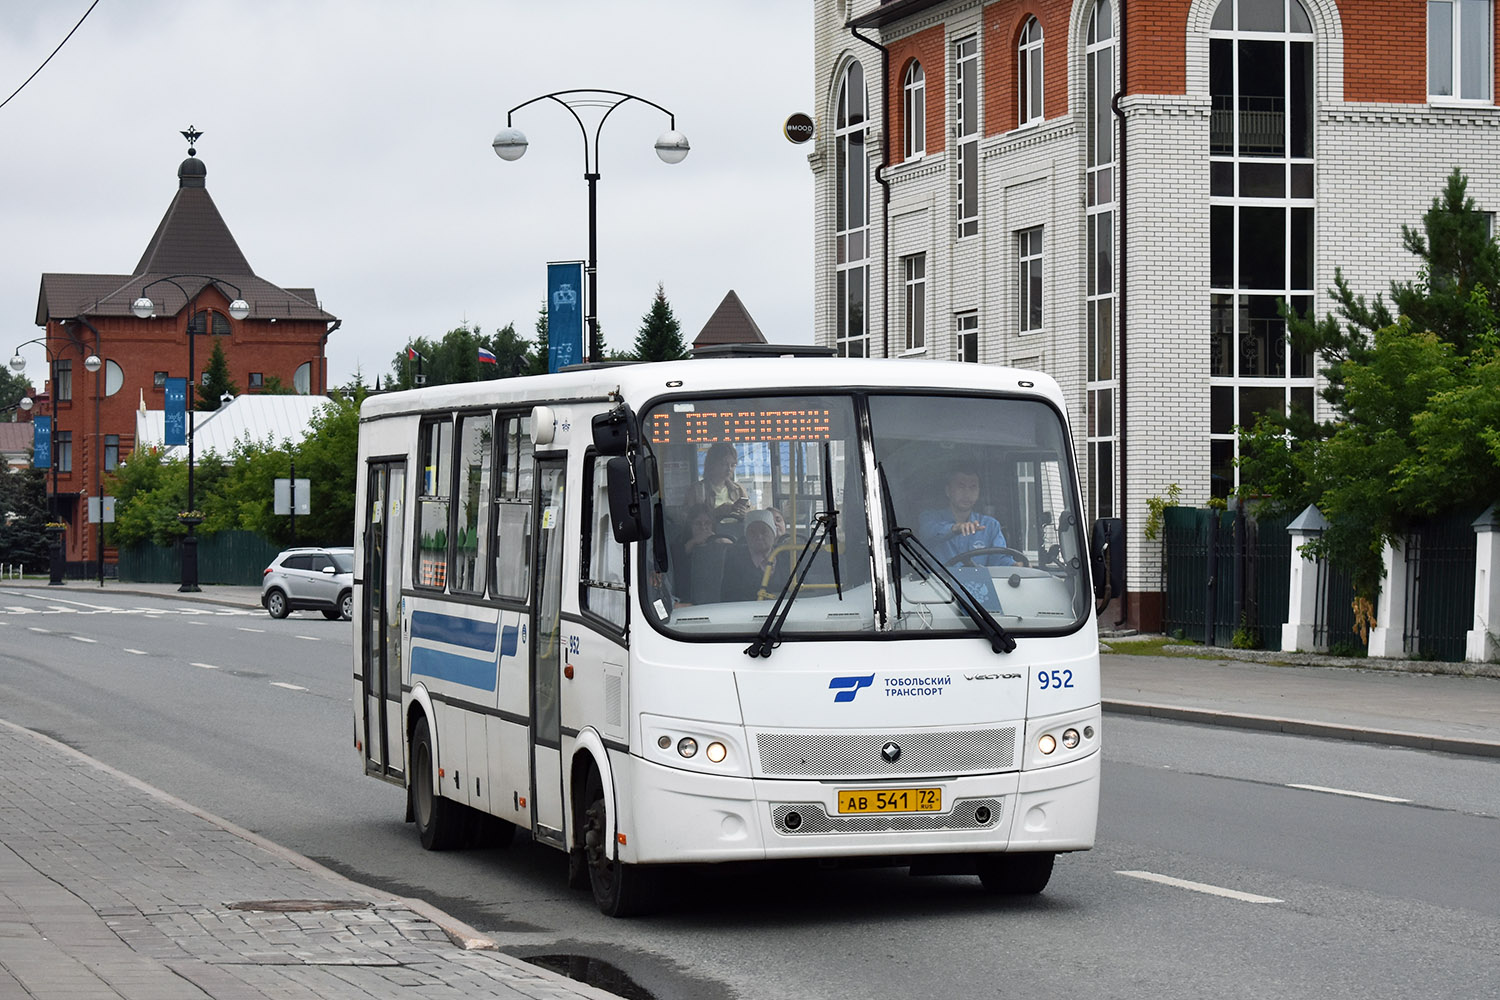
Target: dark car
310 579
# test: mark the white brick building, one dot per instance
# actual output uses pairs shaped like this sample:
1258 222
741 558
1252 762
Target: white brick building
1121 197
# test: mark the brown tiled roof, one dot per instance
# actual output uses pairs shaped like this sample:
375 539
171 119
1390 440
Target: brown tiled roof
730 324
15 436
192 238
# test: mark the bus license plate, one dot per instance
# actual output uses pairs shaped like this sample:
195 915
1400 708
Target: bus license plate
891 800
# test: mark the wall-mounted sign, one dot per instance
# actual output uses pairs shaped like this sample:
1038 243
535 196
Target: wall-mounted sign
798 128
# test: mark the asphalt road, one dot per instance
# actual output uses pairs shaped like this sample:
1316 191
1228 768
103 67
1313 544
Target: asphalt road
1213 875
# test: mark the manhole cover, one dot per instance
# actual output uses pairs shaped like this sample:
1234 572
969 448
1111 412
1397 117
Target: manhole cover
300 905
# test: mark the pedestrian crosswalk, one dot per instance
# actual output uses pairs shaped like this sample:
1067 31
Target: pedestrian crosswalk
80 608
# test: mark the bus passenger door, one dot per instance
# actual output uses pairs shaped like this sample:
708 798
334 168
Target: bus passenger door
546 651
380 618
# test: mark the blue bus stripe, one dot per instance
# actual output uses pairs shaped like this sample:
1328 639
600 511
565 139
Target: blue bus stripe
446 666
453 631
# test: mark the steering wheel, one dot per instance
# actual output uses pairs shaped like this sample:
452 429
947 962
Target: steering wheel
967 558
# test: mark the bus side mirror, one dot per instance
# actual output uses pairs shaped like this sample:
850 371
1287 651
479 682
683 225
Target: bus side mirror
614 430
1107 558
629 497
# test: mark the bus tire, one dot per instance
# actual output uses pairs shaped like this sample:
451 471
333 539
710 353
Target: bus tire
439 821
1021 874
620 890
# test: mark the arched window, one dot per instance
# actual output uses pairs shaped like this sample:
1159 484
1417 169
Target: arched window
206 319
1261 218
1029 69
914 111
1099 265
851 216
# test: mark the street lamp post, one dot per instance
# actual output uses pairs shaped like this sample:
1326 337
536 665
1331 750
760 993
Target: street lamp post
57 559
671 147
144 308
95 363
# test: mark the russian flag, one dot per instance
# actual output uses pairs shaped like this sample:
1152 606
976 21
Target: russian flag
488 357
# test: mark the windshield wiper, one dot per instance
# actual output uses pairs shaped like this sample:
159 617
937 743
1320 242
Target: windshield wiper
922 557
769 636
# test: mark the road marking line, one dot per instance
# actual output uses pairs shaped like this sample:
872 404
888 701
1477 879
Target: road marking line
1212 890
289 687
309 638
1345 791
242 628
206 666
137 652
82 638
33 628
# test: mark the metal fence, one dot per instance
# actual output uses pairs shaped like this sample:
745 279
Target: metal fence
1440 560
1226 575
1333 622
232 558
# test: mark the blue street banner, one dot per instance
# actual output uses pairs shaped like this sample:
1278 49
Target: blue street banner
564 314
175 418
41 442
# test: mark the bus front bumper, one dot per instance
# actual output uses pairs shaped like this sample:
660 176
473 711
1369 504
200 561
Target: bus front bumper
689 817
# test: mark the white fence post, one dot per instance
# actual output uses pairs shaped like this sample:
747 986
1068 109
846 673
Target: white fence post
1483 641
1298 634
1390 610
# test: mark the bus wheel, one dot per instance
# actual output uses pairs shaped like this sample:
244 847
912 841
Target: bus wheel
1016 874
620 890
438 819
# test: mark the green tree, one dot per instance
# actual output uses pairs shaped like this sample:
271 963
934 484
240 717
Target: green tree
512 353
216 381
23 517
660 337
538 365
455 357
12 388
1416 398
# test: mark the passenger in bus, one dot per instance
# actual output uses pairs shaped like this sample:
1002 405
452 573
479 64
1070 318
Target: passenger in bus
745 568
725 497
697 554
952 530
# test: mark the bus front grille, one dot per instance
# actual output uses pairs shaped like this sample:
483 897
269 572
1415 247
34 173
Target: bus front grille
801 818
864 755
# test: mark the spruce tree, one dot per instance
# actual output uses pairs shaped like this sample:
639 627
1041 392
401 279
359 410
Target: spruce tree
660 338
216 380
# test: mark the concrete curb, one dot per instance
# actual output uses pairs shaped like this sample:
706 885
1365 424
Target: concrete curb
1300 727
1272 657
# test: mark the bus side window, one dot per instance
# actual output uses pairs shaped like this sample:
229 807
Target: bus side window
603 585
435 487
471 541
510 577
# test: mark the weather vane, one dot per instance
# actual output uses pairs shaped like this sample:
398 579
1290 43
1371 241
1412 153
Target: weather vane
191 135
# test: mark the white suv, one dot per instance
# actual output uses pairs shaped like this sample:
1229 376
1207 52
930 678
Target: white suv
310 579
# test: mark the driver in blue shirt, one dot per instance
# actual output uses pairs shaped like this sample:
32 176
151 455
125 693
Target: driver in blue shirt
953 530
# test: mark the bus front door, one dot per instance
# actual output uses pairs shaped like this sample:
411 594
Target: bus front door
548 635
380 619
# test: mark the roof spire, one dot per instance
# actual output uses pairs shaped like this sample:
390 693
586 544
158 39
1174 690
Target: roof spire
192 135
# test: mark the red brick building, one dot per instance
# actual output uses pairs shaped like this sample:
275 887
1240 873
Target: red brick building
283 338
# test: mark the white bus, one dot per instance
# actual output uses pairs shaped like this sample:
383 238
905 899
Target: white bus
571 620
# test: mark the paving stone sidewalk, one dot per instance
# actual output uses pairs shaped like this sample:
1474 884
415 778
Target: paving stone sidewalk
114 890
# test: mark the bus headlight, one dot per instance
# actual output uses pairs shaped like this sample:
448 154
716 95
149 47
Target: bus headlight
1047 743
1070 738
716 752
687 746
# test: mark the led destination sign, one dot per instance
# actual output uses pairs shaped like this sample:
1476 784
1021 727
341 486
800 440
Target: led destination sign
685 424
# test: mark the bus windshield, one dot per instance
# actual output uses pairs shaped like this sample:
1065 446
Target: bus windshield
752 488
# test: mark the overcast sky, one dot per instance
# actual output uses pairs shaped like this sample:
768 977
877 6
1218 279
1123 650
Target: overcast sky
348 148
